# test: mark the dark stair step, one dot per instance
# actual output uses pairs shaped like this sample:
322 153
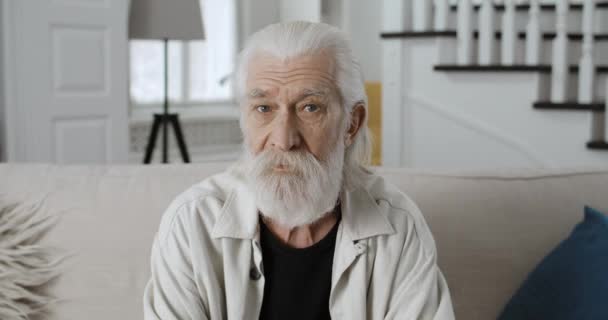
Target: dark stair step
543 7
573 36
417 34
570 106
597 145
507 68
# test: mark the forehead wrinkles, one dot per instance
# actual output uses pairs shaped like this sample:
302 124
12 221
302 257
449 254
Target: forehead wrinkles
320 63
289 91
298 78
282 76
293 75
271 84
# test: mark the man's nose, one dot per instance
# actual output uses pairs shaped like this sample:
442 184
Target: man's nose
285 135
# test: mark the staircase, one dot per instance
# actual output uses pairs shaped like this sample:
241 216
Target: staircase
494 84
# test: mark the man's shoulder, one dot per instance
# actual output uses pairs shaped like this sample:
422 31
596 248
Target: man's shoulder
204 200
400 209
383 191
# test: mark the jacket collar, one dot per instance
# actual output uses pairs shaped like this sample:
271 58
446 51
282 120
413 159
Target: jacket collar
361 216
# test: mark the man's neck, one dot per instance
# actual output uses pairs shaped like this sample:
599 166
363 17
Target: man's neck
303 236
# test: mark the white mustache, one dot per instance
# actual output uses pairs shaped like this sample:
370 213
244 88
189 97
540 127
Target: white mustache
300 163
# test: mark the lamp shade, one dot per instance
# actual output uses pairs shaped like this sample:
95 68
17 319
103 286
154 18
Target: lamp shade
166 19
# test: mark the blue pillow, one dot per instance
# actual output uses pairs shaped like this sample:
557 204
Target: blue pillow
572 281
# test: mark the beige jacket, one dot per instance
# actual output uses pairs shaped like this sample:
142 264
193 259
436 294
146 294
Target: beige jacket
206 257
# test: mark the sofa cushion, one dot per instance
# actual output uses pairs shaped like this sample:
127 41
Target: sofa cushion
572 281
491 227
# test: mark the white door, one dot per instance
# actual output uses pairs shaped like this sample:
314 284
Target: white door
71 68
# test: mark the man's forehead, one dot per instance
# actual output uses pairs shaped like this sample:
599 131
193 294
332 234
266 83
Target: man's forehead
305 75
314 65
321 58
318 91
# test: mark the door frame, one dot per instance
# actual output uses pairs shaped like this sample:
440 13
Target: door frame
14 127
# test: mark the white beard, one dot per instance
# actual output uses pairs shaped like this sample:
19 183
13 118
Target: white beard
300 196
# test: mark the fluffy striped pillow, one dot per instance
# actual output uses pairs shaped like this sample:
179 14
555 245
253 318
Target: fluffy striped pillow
25 265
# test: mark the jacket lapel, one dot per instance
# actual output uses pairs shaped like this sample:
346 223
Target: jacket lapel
239 216
361 218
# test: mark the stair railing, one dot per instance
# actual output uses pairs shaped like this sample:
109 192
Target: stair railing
606 114
421 10
507 45
464 32
559 61
437 10
440 21
586 67
533 35
486 33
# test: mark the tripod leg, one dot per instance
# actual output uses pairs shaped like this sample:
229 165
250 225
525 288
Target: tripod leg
165 123
180 139
152 140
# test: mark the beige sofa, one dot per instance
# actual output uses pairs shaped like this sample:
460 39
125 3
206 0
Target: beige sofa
491 227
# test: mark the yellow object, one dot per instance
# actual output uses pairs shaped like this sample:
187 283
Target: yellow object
374 97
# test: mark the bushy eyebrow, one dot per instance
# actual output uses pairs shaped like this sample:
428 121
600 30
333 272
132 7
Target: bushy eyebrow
308 92
257 93
318 92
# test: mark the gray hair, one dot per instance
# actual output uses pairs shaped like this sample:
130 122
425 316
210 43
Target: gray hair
292 39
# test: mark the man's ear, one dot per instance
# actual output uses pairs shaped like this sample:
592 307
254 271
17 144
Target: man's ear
358 115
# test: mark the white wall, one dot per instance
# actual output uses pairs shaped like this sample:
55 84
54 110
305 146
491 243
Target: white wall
362 22
254 15
360 19
309 10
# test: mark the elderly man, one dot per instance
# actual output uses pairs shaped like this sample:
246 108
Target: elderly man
298 228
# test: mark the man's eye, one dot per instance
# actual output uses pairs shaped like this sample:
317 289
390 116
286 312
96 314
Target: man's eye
263 108
311 107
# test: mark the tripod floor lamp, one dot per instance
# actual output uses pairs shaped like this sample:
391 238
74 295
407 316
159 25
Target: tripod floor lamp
166 20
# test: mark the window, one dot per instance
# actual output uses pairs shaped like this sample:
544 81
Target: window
200 72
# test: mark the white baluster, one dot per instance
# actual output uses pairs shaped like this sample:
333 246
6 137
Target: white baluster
606 113
559 64
464 32
421 14
486 32
533 35
441 15
394 18
586 66
507 55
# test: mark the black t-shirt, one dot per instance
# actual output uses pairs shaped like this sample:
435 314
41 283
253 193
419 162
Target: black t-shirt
298 281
